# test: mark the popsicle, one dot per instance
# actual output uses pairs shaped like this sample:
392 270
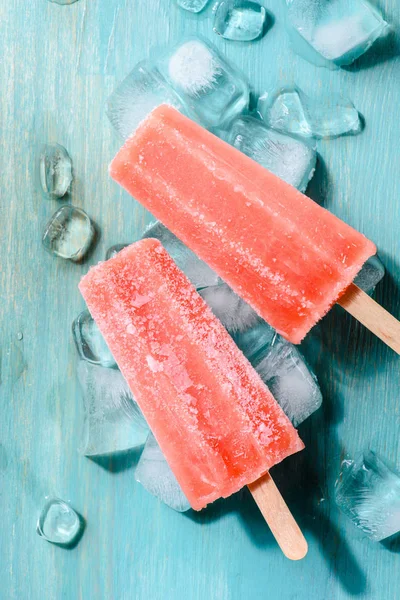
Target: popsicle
217 424
288 257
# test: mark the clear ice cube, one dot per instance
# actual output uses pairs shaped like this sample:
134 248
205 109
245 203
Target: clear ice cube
240 20
195 269
113 422
55 170
59 523
155 475
289 158
292 111
370 275
113 250
138 94
194 6
69 233
368 491
233 312
205 82
283 369
89 342
339 30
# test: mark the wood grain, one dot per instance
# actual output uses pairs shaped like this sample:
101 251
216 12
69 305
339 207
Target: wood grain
279 518
372 315
58 65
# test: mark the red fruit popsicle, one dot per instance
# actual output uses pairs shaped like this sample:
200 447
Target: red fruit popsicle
286 256
217 424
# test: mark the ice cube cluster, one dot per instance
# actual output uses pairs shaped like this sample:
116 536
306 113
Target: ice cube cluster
291 159
192 76
368 492
292 111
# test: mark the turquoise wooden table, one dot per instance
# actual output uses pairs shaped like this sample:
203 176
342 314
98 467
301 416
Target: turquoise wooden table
58 65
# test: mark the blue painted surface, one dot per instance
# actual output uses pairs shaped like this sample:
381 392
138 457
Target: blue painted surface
58 65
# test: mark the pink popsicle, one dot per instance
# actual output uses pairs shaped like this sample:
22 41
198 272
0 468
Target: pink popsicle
217 424
286 256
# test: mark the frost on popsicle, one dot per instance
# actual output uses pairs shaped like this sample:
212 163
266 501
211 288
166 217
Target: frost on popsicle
290 159
240 20
338 30
113 421
212 88
155 475
55 170
89 342
69 233
58 523
368 491
194 6
292 111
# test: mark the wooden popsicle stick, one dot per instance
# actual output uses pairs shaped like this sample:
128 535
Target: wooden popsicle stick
279 518
372 315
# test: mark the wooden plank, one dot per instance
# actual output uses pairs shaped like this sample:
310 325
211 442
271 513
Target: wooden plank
58 65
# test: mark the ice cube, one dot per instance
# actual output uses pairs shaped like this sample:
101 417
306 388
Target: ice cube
283 369
194 6
368 491
63 1
370 275
155 475
195 269
290 159
291 111
339 30
113 250
233 312
139 93
205 82
89 342
59 523
113 422
69 233
240 20
55 170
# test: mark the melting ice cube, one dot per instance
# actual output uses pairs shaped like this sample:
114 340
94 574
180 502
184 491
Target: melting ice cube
113 421
154 473
59 523
194 6
339 30
89 342
55 170
139 93
69 233
368 491
240 20
195 269
205 82
370 275
283 369
290 110
290 159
